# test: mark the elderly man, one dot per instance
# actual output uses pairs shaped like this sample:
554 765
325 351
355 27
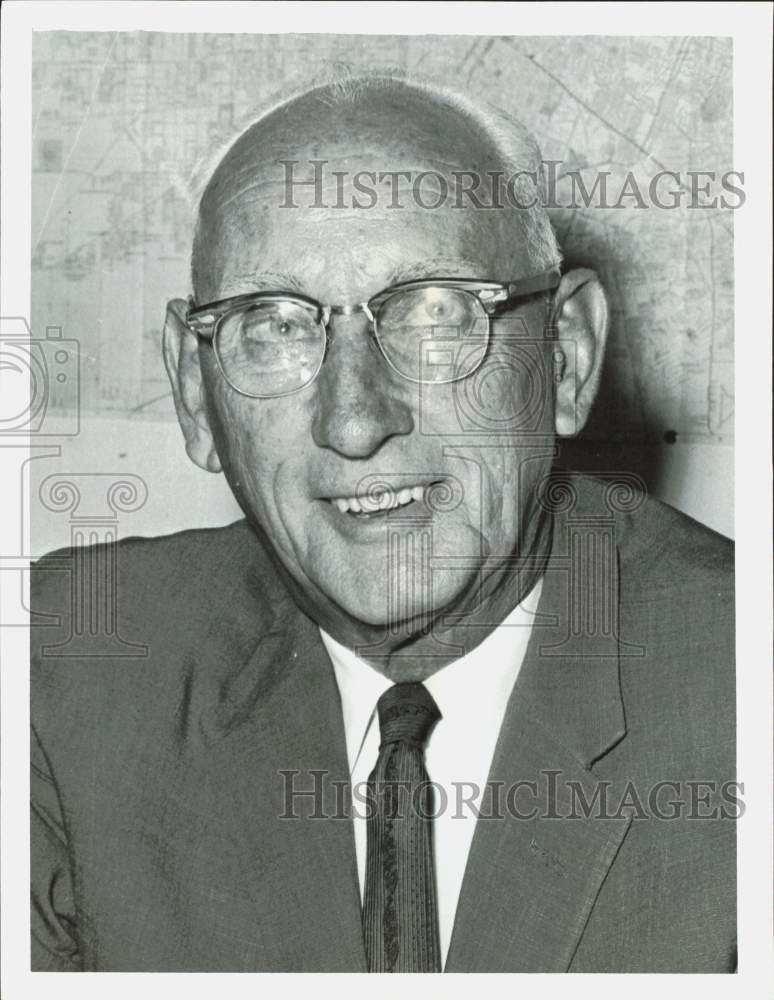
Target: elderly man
428 707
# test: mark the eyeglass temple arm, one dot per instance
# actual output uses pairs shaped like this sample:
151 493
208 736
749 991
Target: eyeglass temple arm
545 282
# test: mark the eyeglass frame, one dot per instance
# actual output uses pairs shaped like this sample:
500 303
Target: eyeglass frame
492 296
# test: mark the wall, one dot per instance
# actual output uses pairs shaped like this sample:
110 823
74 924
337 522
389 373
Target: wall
120 120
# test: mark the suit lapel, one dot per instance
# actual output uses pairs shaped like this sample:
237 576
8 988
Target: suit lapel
531 882
279 726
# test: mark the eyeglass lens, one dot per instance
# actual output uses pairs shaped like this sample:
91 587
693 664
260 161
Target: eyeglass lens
270 348
433 334
427 335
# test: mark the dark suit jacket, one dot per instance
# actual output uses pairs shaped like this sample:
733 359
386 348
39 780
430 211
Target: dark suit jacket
157 842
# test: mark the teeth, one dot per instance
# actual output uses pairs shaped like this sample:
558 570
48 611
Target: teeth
387 500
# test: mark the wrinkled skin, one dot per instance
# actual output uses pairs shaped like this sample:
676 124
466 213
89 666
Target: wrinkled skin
286 458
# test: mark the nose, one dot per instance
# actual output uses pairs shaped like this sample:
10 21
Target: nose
358 404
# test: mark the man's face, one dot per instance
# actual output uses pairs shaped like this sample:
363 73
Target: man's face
465 451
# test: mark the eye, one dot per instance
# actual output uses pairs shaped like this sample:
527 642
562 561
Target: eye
436 310
276 324
424 308
443 306
282 327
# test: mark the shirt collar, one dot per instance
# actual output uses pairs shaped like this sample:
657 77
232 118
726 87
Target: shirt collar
476 685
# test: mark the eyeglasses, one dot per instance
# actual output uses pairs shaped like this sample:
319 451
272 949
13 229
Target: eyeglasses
270 344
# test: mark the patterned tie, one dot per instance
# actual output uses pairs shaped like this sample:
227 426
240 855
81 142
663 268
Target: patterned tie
400 916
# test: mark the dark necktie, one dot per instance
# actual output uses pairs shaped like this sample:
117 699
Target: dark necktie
400 914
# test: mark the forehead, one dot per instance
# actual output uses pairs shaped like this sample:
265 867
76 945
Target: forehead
292 197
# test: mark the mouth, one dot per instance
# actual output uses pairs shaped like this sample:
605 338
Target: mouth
379 502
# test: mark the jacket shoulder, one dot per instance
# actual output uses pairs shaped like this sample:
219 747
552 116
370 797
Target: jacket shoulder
667 549
133 622
148 576
658 545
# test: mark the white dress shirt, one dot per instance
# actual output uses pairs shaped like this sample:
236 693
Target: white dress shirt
471 694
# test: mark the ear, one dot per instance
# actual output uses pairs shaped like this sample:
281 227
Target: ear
580 315
181 357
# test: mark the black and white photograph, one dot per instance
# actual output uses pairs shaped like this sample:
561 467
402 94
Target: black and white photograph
387 495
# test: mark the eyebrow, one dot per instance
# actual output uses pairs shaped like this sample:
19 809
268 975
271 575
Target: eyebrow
435 267
267 281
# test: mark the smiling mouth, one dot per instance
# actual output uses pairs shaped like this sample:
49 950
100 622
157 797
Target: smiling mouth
375 503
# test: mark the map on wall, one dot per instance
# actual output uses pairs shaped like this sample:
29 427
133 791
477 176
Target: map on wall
120 119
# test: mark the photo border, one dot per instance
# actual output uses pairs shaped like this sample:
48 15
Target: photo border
750 27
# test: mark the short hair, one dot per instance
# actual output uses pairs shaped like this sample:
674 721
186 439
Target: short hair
515 148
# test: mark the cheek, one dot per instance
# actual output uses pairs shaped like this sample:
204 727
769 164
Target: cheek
252 439
508 396
512 391
502 506
505 407
503 494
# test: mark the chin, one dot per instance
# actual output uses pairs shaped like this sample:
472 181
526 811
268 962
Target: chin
404 604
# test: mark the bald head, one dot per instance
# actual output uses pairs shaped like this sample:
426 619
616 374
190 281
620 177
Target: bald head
346 149
300 462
